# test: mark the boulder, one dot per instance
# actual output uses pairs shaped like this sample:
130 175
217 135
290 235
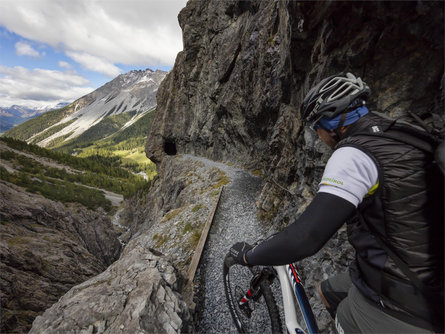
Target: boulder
137 294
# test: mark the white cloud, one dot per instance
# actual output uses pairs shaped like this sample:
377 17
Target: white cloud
64 64
39 87
24 49
94 63
129 32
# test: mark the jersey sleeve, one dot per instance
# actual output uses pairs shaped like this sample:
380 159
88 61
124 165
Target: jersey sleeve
349 174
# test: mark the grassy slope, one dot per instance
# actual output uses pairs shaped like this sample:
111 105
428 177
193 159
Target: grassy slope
58 184
123 148
106 127
38 124
50 131
128 144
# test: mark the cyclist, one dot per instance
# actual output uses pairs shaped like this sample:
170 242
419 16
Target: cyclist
392 201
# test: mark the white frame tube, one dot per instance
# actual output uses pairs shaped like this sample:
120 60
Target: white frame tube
290 311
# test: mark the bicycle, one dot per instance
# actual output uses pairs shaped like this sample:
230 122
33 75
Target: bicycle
252 303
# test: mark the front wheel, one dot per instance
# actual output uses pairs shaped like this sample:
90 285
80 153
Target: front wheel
252 310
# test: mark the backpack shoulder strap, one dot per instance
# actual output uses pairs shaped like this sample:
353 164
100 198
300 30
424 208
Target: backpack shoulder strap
403 137
405 132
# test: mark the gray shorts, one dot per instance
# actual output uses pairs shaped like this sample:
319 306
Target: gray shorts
355 314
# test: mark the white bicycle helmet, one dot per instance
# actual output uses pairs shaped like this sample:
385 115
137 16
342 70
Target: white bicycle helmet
333 96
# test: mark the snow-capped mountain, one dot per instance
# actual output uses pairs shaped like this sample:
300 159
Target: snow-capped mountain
14 115
133 93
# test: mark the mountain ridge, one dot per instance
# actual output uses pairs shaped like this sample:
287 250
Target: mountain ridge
133 92
17 114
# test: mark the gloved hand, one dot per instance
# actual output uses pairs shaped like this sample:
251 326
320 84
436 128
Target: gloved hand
238 252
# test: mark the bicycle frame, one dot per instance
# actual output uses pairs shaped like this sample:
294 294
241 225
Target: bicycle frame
293 291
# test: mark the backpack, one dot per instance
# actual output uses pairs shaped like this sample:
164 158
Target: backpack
414 131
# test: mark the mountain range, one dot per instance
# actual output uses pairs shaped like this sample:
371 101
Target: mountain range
14 115
107 110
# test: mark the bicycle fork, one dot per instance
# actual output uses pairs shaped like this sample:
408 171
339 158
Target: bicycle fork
254 293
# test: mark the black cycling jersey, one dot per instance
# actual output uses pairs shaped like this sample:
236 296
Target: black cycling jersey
307 235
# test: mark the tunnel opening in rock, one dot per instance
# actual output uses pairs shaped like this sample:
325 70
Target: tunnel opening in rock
170 147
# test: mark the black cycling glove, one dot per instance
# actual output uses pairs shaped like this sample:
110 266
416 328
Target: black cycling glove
238 252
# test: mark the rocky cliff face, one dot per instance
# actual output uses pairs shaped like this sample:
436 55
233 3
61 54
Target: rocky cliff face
235 90
137 294
143 291
45 249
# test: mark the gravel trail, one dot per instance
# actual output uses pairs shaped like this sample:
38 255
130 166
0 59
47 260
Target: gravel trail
235 220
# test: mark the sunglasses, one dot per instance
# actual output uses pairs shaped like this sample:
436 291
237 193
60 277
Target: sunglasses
315 125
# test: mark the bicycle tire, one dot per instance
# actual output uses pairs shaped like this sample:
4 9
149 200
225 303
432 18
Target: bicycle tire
243 326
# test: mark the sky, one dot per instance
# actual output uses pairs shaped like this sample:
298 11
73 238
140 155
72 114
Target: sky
54 51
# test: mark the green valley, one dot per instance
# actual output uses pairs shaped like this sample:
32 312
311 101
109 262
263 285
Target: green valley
66 178
109 138
97 143
127 144
36 125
